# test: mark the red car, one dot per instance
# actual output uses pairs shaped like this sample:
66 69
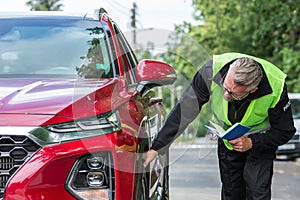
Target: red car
77 110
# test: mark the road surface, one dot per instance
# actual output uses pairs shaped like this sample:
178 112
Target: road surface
194 174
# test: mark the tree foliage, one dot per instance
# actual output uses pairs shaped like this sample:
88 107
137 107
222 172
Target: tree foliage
45 5
266 29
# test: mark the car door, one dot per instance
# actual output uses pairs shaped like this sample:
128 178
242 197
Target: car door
155 114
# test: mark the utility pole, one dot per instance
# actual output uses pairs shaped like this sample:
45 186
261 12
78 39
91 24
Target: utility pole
133 24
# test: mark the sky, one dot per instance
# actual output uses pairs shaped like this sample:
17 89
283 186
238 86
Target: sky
161 14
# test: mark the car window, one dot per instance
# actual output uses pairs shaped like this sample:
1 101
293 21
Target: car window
54 48
128 56
296 108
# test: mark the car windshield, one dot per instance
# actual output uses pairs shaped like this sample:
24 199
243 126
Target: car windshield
53 48
296 108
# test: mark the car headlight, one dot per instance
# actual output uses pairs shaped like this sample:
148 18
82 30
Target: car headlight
77 129
92 177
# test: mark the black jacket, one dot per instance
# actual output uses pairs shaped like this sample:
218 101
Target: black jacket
198 93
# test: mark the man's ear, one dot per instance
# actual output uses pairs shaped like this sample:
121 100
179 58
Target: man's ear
254 90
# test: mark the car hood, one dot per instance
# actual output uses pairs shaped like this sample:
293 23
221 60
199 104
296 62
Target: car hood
67 99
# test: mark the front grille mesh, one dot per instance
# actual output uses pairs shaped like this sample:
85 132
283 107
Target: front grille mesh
14 151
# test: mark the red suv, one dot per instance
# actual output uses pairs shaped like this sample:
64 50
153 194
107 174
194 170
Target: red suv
77 110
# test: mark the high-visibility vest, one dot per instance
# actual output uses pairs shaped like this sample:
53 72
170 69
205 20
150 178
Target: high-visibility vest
256 115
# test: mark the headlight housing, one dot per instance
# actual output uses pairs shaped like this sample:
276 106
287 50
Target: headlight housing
92 177
81 128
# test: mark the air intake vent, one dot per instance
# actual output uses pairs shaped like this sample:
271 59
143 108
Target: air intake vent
14 151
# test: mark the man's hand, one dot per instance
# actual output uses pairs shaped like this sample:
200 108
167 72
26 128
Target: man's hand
149 156
241 144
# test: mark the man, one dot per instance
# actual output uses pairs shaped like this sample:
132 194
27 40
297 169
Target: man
243 89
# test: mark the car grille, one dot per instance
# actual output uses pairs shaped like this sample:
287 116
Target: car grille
14 151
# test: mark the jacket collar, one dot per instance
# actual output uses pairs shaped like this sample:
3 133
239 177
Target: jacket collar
264 86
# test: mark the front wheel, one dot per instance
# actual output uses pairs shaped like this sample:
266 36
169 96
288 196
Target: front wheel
165 181
142 188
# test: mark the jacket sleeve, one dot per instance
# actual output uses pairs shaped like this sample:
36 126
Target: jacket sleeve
282 127
185 111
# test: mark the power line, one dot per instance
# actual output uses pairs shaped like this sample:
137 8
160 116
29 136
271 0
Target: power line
121 8
118 4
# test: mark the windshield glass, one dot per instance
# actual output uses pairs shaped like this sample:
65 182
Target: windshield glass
53 48
296 108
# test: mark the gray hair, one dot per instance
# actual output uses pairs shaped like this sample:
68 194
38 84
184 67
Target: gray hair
247 72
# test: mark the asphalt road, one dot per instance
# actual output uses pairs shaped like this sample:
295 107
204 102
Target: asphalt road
194 174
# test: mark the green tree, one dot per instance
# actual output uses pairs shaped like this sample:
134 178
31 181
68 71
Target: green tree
266 29
187 56
45 5
145 52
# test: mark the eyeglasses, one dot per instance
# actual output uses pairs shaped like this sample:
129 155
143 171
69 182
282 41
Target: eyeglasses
232 95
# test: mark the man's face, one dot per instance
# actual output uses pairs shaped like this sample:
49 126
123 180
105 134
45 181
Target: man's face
233 91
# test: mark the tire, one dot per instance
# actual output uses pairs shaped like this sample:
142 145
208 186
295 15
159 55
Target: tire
142 188
165 193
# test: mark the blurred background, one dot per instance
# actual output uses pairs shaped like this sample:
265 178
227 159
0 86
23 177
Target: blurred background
186 33
148 14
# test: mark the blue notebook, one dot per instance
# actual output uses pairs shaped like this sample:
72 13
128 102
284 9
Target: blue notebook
235 131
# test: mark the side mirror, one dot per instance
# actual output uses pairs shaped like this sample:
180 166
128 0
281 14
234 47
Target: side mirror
151 73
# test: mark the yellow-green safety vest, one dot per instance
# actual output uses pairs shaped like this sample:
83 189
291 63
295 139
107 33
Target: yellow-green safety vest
256 115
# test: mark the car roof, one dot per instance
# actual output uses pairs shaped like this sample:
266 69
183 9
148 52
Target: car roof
47 14
294 95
